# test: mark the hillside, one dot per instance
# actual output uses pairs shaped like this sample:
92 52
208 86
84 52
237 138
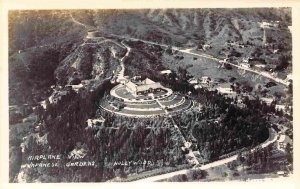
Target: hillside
172 26
56 32
58 78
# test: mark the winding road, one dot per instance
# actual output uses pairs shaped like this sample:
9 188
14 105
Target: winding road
188 51
218 60
77 22
272 136
121 73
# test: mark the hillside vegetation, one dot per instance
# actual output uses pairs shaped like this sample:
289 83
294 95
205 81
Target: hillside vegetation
49 54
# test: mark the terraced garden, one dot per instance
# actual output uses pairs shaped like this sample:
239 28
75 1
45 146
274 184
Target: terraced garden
156 104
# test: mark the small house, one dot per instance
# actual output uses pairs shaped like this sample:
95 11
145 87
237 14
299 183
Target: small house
167 72
193 81
205 79
245 65
283 141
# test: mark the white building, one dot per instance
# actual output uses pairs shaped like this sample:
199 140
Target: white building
260 65
193 81
75 87
93 34
245 60
289 77
268 101
197 86
225 90
123 81
145 86
275 51
206 46
95 122
245 65
166 72
283 141
205 79
187 144
281 173
136 77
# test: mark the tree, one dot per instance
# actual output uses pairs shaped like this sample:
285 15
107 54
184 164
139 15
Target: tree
283 63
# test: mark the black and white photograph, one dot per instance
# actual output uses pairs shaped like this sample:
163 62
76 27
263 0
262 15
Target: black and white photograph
150 95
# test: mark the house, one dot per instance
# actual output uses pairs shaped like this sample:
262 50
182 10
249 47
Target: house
193 81
225 90
55 97
267 24
75 87
143 87
93 34
95 122
206 46
165 72
197 86
289 77
136 78
268 101
260 65
205 79
245 60
281 173
245 65
280 107
283 141
123 80
187 144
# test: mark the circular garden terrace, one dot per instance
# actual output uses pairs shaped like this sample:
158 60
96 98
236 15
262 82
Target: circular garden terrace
124 94
155 103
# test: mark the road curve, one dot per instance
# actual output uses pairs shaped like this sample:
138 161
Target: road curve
273 135
264 74
272 138
187 51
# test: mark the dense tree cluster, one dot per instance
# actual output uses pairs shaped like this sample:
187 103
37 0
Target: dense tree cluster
30 80
144 60
64 124
119 139
262 160
222 127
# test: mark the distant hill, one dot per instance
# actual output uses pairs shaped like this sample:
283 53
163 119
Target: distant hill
175 26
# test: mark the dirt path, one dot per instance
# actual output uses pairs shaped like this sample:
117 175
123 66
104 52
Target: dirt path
195 161
77 22
121 73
